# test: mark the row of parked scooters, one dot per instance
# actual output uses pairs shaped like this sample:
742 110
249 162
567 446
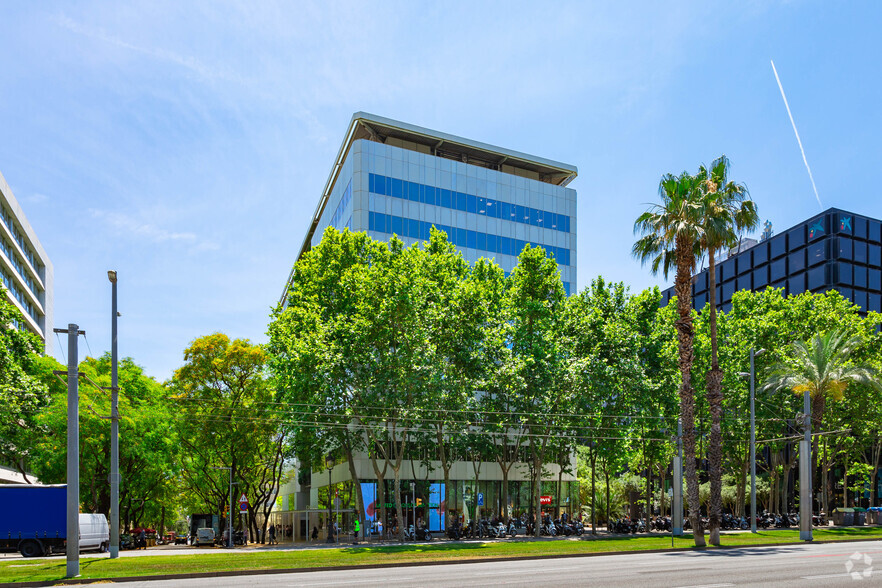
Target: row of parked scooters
498 529
728 522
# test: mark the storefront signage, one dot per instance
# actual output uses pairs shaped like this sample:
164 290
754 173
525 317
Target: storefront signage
545 500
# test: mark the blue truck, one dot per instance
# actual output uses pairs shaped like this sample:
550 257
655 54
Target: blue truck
34 519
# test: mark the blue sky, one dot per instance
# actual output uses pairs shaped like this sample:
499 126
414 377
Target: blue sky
185 144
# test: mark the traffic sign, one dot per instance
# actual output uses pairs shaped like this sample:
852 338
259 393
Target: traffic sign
243 503
480 499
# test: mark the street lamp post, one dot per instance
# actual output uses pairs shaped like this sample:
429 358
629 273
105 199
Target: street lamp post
805 471
329 461
114 423
754 353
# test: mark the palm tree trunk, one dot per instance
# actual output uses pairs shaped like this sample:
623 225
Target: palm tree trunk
685 336
715 406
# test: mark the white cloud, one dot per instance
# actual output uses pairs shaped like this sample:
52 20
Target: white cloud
126 224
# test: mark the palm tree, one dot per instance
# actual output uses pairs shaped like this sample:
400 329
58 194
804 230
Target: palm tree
823 368
671 235
725 212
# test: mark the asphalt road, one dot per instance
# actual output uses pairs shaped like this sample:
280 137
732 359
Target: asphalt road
819 566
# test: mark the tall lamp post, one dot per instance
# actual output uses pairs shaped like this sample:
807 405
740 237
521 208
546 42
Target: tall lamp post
114 424
329 461
754 353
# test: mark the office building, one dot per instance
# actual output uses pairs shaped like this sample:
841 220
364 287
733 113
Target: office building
391 177
835 250
25 268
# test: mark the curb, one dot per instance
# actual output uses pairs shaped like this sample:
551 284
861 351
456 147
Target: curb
233 573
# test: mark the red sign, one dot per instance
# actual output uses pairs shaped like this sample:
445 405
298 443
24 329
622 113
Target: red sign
545 500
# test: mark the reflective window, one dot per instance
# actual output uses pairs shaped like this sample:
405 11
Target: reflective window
817 252
796 238
777 246
761 277
778 269
796 284
796 261
742 263
760 254
847 293
844 273
860 298
817 278
874 302
875 232
700 282
470 203
728 290
874 255
860 276
743 282
860 251
874 279
860 227
844 248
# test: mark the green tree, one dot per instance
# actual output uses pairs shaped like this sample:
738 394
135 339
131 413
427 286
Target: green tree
226 419
671 240
316 350
534 308
823 367
148 446
725 212
23 394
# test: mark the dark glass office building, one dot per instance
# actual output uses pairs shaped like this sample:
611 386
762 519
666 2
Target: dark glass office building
835 250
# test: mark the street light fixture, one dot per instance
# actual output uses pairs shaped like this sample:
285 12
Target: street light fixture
114 423
754 353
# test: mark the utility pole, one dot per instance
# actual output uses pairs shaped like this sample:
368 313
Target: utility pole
677 506
72 547
114 425
805 472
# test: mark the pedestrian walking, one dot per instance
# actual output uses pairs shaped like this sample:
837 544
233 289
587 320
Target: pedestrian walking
357 529
272 535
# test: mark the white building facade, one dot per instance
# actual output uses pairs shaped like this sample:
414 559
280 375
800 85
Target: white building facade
25 269
393 178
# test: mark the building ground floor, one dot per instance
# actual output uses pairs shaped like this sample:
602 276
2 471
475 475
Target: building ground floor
472 492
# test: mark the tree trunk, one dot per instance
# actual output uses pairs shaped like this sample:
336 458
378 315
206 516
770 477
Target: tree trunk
608 506
715 405
685 336
593 491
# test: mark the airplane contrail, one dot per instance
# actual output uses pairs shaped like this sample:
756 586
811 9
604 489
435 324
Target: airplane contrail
780 87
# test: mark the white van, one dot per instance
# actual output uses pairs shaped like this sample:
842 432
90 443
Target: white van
94 532
204 536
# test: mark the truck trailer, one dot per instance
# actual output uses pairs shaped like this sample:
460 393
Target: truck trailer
34 520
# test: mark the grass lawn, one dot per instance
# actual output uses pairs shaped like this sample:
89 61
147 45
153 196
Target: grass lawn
29 570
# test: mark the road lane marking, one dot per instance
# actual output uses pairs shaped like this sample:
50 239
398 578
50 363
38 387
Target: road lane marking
826 576
363 581
707 585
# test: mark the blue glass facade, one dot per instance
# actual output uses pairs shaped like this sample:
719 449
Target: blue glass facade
469 203
836 250
417 229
